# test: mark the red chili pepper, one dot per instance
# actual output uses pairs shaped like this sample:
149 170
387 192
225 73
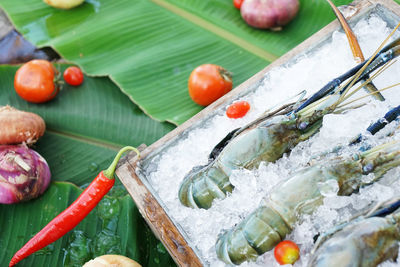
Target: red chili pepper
74 214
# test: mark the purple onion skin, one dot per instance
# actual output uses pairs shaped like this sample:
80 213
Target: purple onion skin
269 14
24 174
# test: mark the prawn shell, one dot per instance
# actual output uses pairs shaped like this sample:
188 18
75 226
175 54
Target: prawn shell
258 233
366 243
19 126
199 191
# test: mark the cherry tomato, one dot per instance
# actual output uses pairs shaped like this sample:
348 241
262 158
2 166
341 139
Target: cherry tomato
209 82
34 81
237 109
286 252
73 76
238 3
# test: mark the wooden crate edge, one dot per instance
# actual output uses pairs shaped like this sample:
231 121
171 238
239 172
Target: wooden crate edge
156 217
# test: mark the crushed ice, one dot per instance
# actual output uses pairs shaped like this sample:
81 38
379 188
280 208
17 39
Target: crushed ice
308 72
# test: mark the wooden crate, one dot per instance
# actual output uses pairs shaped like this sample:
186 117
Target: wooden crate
138 186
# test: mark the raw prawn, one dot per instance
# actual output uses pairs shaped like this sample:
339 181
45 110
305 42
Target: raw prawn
269 137
299 195
364 242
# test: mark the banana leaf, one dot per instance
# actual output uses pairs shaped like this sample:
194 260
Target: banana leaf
102 232
85 127
96 110
148 48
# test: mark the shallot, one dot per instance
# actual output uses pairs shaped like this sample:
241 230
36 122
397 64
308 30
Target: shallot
24 174
112 260
269 14
19 126
64 4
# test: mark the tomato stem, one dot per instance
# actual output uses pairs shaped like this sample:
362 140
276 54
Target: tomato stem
226 75
109 172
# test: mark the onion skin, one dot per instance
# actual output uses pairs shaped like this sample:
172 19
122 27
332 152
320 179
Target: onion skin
24 174
19 126
111 261
269 14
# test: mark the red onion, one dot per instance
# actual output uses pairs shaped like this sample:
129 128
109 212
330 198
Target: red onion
269 14
24 174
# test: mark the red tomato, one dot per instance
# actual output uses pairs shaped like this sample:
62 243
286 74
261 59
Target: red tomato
73 76
238 3
237 109
34 81
286 252
209 82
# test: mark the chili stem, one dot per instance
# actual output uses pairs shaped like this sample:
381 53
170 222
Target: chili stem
109 173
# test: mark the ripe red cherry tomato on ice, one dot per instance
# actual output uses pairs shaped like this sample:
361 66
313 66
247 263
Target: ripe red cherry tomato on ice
237 109
238 3
286 252
73 76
